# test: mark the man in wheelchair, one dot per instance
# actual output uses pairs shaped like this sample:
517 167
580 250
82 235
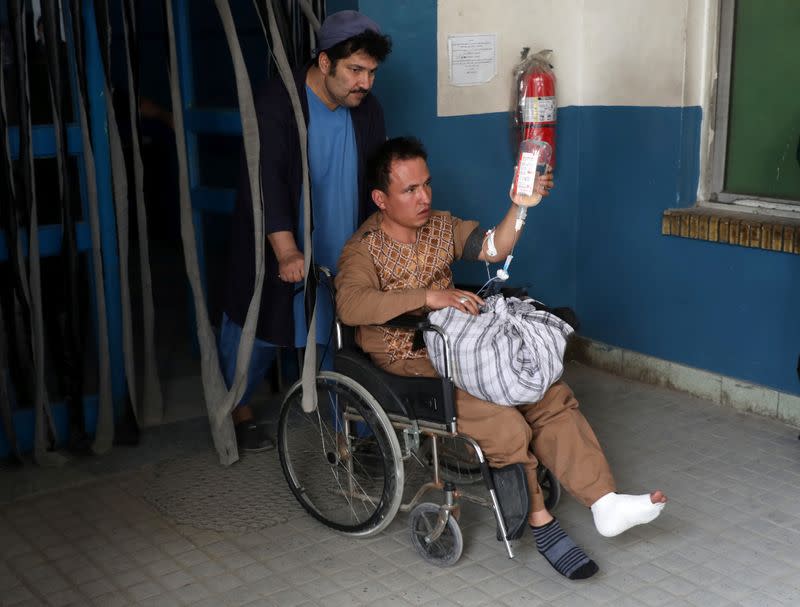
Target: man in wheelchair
398 262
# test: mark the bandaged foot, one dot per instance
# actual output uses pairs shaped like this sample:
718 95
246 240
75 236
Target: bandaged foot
617 512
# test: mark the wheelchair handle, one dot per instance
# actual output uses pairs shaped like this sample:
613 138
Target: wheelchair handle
448 362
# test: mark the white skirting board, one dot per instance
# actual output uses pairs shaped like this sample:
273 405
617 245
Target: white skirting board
727 391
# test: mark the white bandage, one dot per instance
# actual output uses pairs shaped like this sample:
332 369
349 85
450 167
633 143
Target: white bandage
491 251
614 513
522 212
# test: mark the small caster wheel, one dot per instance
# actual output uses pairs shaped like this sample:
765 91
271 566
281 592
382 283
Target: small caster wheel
442 551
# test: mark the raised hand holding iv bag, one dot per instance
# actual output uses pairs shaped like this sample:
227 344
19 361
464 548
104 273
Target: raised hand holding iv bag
533 161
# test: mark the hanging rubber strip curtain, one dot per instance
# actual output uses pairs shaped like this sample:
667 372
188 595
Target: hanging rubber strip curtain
119 180
312 21
104 433
17 290
308 11
71 342
219 400
6 417
309 372
304 24
252 147
43 417
152 401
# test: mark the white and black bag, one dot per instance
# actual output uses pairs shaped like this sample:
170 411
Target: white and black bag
509 354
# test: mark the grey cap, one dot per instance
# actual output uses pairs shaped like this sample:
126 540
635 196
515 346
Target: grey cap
341 26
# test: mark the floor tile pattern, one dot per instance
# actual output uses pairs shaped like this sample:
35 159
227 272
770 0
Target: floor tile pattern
729 536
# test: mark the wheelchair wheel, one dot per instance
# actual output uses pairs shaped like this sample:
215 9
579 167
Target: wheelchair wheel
444 550
346 474
551 488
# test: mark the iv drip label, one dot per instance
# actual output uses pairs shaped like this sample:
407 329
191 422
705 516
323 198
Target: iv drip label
526 175
538 109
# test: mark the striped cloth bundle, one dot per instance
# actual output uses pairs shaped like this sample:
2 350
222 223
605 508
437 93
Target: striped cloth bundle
509 354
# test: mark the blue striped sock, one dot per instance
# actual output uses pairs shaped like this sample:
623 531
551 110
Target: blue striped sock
562 553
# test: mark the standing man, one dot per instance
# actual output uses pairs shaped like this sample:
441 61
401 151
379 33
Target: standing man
345 125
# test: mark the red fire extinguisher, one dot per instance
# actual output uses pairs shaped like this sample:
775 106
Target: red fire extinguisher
536 100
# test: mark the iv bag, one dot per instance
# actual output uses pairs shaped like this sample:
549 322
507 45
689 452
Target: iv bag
533 161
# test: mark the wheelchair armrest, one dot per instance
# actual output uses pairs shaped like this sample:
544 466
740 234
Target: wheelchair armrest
413 322
421 324
409 321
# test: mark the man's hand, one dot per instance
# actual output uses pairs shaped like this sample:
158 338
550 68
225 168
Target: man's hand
544 183
291 263
291 267
466 301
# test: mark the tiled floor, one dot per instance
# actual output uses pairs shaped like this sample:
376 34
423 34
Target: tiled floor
89 535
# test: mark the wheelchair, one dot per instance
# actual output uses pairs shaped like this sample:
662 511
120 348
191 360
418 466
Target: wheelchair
346 462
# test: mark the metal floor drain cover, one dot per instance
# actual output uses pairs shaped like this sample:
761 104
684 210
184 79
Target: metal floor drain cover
198 491
249 495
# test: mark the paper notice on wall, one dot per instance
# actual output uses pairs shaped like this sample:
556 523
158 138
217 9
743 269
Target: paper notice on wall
473 58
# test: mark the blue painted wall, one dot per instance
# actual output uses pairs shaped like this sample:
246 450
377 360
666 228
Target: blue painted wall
728 309
595 244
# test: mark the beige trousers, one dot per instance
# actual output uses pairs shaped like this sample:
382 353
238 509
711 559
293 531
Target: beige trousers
552 431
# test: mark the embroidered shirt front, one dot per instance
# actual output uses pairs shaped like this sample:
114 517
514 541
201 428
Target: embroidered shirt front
423 264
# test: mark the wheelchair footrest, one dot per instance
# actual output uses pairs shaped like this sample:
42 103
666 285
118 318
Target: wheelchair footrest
511 486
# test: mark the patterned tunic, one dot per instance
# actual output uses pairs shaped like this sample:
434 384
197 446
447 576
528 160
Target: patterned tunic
423 264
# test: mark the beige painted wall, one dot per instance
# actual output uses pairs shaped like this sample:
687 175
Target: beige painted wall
606 52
